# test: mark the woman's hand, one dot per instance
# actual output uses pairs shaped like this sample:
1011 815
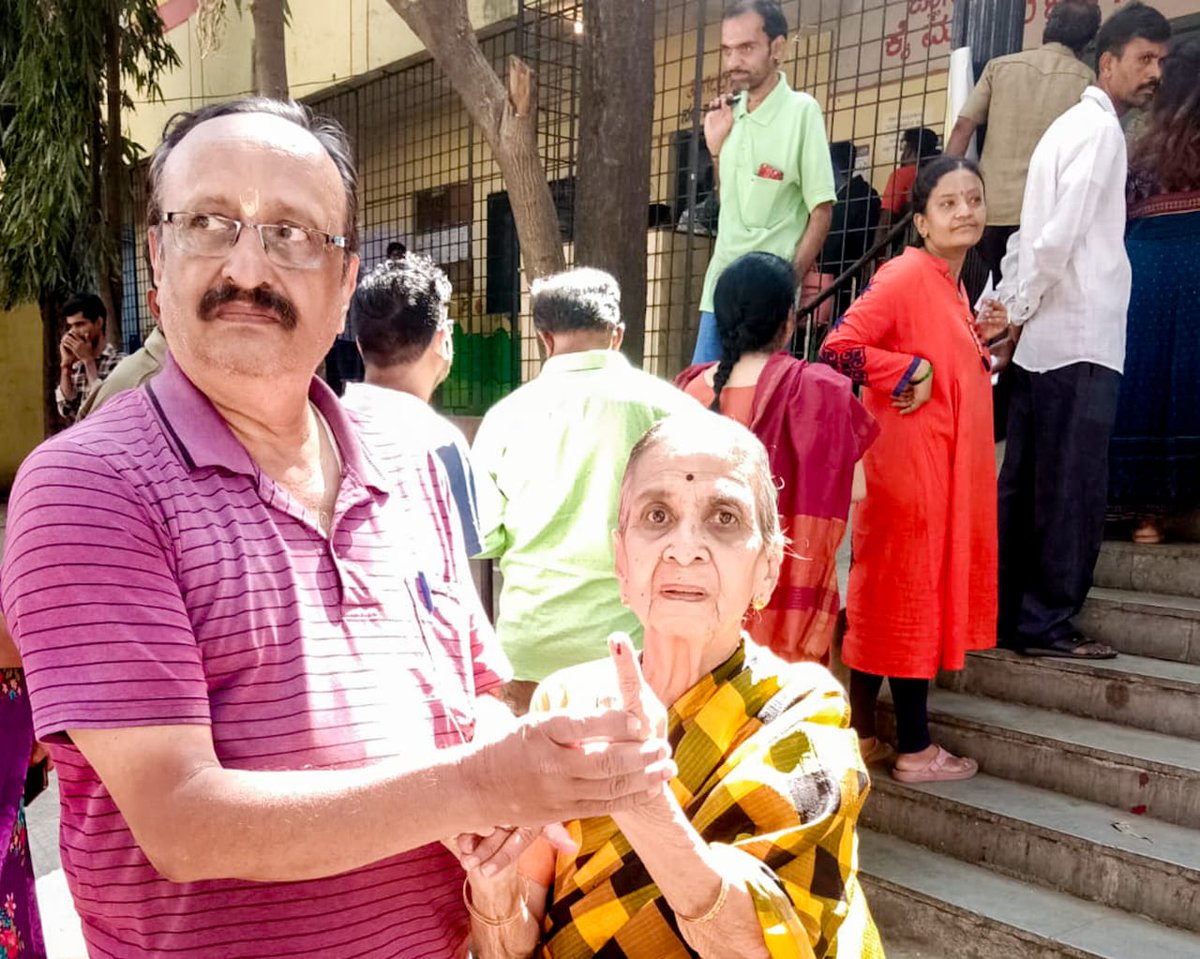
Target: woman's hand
991 321
918 392
637 698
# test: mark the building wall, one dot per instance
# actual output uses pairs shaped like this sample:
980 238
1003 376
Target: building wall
20 388
328 42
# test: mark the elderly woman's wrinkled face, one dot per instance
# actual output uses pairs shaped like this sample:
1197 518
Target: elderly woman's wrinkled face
690 554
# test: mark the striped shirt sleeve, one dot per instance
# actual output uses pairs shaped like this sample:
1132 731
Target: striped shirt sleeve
90 594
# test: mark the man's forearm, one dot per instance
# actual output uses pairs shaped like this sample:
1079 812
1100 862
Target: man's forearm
91 372
66 382
960 137
280 826
813 238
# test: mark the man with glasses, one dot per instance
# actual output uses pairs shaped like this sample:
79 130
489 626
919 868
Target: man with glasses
249 632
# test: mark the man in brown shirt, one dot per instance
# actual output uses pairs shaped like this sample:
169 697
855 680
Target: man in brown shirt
1018 97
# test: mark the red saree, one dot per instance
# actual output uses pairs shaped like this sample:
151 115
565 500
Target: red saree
814 431
923 585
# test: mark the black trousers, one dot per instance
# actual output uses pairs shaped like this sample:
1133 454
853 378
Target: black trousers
1053 493
909 696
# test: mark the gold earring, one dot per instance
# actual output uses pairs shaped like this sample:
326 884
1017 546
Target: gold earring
759 604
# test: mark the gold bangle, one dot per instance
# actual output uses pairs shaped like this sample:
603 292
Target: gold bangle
476 914
712 912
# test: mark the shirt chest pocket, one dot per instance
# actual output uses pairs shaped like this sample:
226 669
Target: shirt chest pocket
762 200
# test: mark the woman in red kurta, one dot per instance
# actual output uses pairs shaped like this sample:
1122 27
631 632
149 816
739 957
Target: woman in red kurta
923 585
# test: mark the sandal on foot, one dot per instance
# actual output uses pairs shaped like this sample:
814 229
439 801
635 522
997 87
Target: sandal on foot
1071 647
943 767
880 752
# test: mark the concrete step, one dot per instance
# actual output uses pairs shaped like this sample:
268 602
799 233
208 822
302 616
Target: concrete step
1152 694
1140 772
1170 568
1155 625
1084 849
959 911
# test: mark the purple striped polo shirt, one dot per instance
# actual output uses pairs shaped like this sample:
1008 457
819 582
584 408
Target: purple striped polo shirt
154 575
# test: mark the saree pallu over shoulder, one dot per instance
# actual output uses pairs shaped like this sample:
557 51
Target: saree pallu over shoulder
814 431
770 777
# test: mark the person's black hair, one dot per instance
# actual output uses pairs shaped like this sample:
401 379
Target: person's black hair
752 301
841 155
396 249
327 132
89 304
774 22
398 308
579 299
929 175
1132 22
1073 23
1169 147
923 142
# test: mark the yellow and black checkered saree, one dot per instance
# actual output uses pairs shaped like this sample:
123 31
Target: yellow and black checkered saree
770 776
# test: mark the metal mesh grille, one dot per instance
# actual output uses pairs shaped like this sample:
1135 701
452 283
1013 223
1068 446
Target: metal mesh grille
428 178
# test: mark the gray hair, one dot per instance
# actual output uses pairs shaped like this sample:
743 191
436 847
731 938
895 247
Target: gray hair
328 133
580 299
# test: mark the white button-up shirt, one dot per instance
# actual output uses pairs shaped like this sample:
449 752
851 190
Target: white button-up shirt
1066 273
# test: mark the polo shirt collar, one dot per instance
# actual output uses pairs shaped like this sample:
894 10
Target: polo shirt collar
769 107
1102 98
204 439
585 360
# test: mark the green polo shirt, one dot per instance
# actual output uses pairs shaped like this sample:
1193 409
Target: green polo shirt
548 463
787 133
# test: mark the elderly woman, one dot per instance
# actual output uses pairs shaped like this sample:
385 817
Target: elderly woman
750 851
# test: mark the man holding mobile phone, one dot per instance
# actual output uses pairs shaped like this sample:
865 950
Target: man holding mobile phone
770 158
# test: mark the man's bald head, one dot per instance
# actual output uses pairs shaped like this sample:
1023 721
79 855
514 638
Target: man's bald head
328 133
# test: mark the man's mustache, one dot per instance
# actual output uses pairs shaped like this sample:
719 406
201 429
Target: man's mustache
262 297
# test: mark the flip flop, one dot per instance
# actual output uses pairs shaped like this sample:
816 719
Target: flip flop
1071 647
943 767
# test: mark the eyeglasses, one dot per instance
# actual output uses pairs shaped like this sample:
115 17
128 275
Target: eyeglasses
291 247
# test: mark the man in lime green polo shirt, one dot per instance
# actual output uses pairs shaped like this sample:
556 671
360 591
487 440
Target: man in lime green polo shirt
548 465
771 158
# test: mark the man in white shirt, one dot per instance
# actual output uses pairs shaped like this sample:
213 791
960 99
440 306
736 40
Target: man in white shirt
400 316
1066 285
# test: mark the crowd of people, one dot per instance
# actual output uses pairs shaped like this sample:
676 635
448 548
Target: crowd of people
238 609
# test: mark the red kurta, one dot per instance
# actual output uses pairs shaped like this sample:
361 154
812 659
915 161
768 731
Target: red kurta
923 585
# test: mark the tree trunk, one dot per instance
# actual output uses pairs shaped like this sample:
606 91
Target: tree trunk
507 118
112 283
48 306
270 51
616 116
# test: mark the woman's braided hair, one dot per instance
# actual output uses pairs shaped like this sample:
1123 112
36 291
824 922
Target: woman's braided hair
753 300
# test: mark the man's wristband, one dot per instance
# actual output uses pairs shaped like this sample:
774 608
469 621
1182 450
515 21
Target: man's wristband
928 373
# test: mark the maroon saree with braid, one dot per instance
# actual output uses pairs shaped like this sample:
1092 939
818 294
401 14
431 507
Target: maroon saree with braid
815 431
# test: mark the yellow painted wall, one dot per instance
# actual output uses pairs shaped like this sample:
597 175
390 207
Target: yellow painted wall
20 388
328 42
